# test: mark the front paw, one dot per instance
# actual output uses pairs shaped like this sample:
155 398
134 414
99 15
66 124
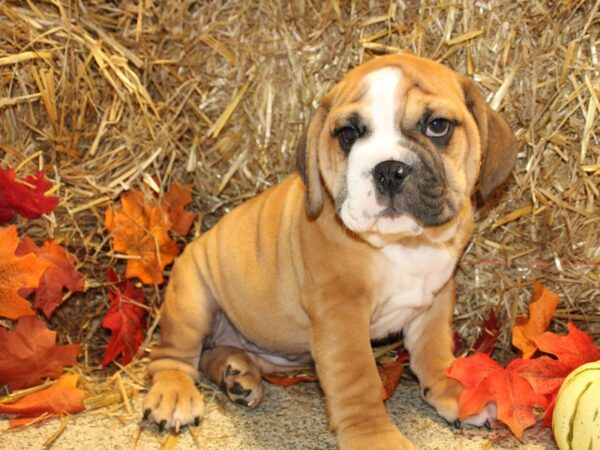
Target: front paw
173 401
373 438
443 396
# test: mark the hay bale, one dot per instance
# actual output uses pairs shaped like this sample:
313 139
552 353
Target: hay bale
107 96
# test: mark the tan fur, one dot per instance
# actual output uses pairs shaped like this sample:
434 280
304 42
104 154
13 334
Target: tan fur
292 279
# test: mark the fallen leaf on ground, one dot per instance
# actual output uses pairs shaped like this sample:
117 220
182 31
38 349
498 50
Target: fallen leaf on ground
16 273
541 310
390 374
546 374
126 319
484 381
175 201
61 273
486 342
29 354
140 229
63 397
285 381
25 198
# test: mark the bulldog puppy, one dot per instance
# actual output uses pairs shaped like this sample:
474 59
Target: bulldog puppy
359 245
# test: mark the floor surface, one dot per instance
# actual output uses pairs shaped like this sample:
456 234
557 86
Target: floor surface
288 419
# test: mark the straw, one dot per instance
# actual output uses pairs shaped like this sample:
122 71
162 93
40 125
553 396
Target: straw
110 96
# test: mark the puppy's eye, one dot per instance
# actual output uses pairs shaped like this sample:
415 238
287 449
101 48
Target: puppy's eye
347 136
438 128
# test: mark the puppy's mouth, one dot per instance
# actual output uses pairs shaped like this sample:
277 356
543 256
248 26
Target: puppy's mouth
422 212
425 220
400 214
394 199
417 190
390 212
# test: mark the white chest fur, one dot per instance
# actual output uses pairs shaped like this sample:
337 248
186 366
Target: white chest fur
411 273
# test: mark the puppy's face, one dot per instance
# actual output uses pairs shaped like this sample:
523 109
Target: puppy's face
399 146
399 156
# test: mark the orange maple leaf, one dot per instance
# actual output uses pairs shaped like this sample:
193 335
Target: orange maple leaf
542 307
546 374
485 381
63 397
285 381
175 201
140 229
16 273
390 374
61 274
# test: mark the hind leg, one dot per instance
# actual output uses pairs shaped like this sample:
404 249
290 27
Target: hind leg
236 373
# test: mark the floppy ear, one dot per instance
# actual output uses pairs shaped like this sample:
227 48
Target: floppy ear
307 162
498 143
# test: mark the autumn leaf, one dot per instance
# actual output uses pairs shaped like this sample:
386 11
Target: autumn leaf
486 342
29 354
542 307
126 319
24 198
63 397
459 343
569 351
61 274
390 374
285 381
140 229
484 381
546 374
175 201
16 273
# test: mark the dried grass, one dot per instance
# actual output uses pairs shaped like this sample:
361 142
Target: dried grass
108 96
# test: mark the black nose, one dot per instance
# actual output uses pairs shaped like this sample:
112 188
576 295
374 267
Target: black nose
389 176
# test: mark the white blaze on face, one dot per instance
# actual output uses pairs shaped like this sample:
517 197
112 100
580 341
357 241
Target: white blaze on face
360 211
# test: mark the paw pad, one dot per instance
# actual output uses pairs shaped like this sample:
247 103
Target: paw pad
242 387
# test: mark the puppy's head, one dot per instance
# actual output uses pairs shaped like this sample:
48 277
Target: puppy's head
400 144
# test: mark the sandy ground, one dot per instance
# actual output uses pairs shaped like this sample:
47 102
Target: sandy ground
288 419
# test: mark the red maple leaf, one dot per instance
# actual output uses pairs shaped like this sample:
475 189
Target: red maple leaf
126 319
486 342
25 198
175 201
546 374
63 397
485 381
29 353
61 273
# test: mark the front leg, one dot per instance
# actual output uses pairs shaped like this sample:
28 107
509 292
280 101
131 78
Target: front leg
186 314
348 374
430 342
